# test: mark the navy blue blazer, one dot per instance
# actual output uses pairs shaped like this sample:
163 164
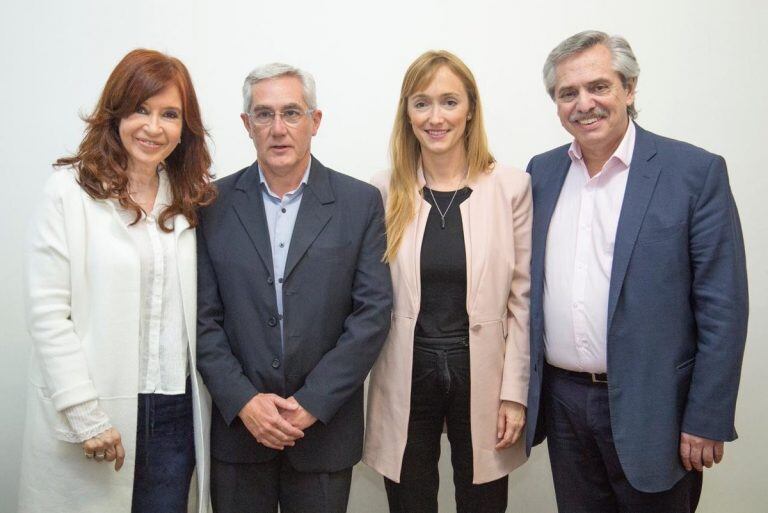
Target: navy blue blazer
337 301
677 306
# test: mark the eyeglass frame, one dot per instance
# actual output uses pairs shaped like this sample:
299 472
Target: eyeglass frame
275 114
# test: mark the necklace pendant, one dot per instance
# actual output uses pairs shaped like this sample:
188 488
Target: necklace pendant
442 223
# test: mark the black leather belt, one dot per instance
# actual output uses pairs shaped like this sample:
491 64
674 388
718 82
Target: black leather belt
597 378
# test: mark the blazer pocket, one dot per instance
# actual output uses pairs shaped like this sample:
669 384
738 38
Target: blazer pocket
686 364
652 235
55 420
329 253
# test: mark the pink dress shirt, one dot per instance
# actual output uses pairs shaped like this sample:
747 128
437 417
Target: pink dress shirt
578 260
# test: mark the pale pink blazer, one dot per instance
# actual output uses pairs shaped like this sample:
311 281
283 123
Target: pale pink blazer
497 235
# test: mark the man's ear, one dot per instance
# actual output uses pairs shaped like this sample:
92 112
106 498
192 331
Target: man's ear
317 116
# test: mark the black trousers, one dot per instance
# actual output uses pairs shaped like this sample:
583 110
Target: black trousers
585 466
440 395
260 487
165 453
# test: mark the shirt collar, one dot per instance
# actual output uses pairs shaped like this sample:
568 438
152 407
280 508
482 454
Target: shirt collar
304 181
164 194
623 152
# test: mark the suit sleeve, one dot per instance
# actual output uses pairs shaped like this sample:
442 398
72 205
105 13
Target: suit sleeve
343 369
720 303
517 364
222 372
49 294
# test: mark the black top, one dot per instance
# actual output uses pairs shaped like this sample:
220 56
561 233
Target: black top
443 269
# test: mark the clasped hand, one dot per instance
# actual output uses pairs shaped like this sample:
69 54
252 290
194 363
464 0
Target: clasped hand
275 422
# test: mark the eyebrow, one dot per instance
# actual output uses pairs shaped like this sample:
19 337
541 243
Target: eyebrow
292 105
419 96
601 80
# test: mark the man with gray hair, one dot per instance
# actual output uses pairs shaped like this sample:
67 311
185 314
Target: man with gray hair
294 305
638 296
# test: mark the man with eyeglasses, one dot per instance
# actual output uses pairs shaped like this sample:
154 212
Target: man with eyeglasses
294 304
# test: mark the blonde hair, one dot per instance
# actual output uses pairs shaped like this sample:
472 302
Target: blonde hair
405 150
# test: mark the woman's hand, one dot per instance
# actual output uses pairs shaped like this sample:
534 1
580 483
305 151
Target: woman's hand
106 446
509 424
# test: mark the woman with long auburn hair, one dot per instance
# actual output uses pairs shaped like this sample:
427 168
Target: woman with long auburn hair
457 355
117 415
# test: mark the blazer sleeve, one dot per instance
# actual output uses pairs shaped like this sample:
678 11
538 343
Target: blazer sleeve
222 372
721 304
342 370
48 300
514 386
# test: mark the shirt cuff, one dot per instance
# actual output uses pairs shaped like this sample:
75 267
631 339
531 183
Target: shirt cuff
86 420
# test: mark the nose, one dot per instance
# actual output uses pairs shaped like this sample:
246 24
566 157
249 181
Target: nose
585 102
278 125
436 115
153 124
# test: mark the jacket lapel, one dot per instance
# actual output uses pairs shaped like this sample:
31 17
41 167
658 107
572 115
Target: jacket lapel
475 228
316 209
186 263
249 207
546 195
643 174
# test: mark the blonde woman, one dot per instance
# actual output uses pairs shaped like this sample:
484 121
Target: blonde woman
457 355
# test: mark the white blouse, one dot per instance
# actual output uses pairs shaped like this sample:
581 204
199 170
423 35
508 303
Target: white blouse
163 338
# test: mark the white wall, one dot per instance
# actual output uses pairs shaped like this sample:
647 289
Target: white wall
703 74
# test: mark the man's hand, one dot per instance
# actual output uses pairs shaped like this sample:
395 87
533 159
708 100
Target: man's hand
509 424
298 416
261 415
697 452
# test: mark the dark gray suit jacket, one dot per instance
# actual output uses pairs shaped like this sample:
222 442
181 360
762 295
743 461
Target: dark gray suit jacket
677 306
337 298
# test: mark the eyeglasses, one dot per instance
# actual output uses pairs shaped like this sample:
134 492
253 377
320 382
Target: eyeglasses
266 117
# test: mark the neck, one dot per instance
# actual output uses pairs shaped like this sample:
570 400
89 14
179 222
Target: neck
596 156
142 177
444 172
284 181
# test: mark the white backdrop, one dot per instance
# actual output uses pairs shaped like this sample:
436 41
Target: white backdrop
703 71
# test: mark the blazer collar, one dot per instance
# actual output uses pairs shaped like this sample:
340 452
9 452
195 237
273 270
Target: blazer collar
249 207
641 181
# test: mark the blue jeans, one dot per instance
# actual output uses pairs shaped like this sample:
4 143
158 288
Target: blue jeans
165 453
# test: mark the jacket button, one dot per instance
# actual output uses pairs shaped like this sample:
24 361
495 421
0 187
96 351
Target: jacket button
275 363
270 280
272 322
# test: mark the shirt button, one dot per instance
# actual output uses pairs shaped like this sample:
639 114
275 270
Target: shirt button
275 363
282 244
272 322
270 280
279 280
282 210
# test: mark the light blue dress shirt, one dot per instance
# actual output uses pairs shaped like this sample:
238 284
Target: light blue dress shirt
281 217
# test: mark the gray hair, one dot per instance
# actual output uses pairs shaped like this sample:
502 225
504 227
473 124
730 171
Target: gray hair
275 70
622 58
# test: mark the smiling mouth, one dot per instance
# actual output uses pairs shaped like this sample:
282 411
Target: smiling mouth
148 143
437 133
588 121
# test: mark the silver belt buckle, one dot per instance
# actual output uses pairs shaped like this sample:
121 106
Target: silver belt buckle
595 380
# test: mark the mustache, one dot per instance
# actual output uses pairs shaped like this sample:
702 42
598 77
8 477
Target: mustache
595 112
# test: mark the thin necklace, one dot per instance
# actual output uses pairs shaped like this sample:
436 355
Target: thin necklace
443 214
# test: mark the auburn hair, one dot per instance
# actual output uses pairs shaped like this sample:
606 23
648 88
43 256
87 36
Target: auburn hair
101 159
405 150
